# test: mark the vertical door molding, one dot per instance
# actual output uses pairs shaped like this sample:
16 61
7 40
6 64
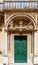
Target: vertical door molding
5 43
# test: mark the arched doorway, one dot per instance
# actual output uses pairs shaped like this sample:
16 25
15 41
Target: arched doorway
20 27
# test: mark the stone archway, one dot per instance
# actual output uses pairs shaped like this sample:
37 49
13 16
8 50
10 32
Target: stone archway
24 24
23 16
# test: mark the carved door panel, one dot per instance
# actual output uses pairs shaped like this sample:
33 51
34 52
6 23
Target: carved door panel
20 49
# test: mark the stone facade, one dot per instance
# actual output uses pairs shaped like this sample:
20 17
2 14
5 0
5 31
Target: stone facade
18 22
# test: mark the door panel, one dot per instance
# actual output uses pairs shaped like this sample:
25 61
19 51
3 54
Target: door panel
20 49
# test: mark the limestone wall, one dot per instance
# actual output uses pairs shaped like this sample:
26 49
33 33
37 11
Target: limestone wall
1 46
6 54
1 1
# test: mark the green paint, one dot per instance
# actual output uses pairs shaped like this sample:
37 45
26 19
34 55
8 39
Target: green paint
20 49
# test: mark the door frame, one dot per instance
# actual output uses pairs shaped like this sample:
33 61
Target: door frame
14 43
29 59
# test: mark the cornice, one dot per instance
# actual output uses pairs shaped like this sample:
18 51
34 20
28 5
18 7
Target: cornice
20 10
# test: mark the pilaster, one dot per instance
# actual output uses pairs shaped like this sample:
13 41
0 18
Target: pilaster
5 43
36 47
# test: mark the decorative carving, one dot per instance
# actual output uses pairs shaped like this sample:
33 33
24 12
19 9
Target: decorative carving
30 26
0 52
1 20
21 25
10 24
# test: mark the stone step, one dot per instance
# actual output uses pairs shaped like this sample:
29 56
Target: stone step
21 64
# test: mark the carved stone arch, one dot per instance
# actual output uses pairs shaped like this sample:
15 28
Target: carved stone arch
21 15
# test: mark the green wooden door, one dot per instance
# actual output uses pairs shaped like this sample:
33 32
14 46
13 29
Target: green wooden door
20 49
